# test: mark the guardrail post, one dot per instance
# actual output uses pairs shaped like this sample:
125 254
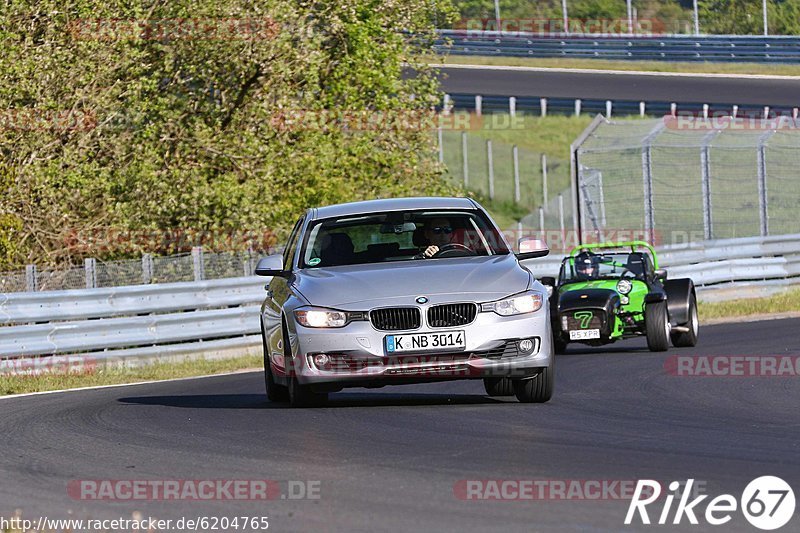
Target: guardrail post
197 263
147 269
512 106
641 109
515 153
705 111
794 113
766 112
577 107
464 158
478 104
31 280
447 105
673 109
544 180
90 269
735 110
608 108
543 106
490 163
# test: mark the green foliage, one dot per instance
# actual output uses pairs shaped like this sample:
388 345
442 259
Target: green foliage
181 132
745 17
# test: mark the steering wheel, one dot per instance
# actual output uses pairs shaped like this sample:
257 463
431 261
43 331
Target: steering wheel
454 249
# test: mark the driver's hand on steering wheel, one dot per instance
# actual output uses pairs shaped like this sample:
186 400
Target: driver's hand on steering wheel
430 251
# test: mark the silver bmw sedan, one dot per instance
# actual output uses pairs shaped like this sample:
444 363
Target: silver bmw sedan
397 291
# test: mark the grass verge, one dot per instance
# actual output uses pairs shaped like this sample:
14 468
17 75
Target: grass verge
778 303
90 377
601 64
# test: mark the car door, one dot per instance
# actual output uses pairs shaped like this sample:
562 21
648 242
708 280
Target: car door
278 291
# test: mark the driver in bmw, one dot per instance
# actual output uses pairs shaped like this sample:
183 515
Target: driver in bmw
438 232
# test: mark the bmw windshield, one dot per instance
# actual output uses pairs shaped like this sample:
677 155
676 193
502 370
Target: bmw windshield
400 236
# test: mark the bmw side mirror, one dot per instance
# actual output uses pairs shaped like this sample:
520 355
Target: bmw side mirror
530 248
661 273
272 265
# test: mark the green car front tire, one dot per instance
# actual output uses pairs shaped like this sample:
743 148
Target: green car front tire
656 321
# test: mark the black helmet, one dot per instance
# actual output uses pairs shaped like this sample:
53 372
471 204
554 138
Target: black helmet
586 264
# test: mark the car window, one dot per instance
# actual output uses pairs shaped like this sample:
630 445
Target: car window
399 236
604 265
291 246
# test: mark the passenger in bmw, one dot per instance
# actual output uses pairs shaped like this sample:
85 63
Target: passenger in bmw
437 233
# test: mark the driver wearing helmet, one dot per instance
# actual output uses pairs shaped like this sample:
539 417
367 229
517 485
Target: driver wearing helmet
438 232
586 265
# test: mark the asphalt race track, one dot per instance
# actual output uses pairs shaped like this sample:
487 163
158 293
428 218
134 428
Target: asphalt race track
388 459
599 86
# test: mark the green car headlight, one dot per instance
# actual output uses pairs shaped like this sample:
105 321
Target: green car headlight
624 286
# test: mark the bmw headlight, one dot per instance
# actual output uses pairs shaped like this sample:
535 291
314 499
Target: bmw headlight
316 317
516 305
624 286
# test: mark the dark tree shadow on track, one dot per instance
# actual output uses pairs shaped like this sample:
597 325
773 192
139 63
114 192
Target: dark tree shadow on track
337 400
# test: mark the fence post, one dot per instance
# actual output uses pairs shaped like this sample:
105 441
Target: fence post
197 263
90 269
512 106
763 213
31 280
464 158
544 180
515 153
248 262
441 144
561 218
705 169
147 269
541 220
478 104
647 177
490 162
543 106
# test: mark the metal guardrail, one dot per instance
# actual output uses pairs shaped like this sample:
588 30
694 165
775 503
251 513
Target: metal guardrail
730 48
592 106
750 259
221 316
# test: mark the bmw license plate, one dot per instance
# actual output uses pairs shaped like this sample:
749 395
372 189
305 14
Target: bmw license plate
583 334
421 342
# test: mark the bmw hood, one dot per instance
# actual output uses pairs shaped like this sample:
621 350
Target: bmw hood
361 287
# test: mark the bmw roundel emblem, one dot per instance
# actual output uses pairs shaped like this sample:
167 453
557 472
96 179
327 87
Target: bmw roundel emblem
422 300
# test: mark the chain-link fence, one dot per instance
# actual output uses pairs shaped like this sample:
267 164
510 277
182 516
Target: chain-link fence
194 266
683 179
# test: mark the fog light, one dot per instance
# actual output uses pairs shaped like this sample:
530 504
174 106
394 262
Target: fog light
624 300
321 360
526 346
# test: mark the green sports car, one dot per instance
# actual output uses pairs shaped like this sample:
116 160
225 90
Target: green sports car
611 291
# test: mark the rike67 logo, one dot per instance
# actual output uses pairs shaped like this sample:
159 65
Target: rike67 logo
767 503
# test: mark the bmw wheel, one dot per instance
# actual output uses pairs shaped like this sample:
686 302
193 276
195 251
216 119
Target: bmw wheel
498 386
538 389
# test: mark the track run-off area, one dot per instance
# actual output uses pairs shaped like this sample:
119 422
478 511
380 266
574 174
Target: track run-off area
401 458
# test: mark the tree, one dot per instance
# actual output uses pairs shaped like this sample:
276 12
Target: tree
121 116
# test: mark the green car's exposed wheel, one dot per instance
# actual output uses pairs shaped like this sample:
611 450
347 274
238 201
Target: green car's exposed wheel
498 386
689 338
538 389
657 326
